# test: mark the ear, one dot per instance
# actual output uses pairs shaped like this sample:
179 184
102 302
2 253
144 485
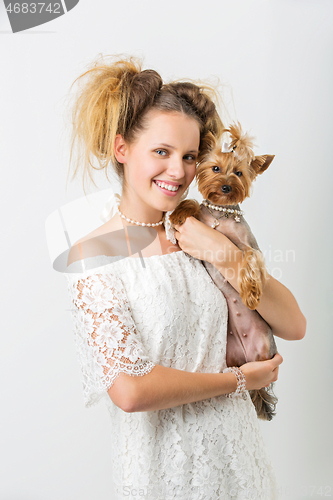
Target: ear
120 148
261 163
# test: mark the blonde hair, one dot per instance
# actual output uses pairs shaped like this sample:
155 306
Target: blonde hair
114 99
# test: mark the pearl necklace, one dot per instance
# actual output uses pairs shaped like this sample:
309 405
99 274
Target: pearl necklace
225 212
153 224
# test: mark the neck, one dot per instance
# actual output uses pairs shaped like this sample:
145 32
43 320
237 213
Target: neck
139 211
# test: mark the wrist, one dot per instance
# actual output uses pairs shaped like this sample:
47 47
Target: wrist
241 381
230 382
225 254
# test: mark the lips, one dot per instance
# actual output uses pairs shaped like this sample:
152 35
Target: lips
166 188
170 186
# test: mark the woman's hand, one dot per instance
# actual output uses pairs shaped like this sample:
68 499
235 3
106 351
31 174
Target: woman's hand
260 374
205 243
277 305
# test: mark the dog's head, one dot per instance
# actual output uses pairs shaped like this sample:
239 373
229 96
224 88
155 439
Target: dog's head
224 176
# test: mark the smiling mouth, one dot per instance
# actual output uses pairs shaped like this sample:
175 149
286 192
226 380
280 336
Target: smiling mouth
169 187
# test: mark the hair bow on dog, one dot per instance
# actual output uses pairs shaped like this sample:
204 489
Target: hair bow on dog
226 148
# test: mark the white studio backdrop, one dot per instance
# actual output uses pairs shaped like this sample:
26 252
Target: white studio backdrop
274 59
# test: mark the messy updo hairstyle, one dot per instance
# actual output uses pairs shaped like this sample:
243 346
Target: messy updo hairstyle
114 98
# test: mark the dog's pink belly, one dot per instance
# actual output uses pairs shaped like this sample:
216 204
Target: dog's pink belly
251 338
248 330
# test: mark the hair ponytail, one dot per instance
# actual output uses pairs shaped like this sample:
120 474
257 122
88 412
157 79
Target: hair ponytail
114 98
110 102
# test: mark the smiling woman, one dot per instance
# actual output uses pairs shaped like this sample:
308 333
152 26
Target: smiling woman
155 179
152 338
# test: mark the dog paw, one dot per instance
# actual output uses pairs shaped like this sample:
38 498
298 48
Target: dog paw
185 209
178 218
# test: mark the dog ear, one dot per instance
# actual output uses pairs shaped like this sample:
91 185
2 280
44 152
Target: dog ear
261 163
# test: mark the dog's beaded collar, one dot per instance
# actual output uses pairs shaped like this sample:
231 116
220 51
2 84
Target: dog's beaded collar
226 212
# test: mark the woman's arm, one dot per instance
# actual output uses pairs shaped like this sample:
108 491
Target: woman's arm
277 306
280 310
111 351
167 387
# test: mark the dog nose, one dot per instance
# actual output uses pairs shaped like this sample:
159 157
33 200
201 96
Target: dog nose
226 189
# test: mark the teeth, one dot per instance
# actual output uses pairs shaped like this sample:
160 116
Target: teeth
167 186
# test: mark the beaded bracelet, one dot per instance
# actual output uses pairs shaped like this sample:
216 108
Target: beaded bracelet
241 382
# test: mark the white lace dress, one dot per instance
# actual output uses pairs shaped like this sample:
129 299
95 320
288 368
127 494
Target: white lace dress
129 317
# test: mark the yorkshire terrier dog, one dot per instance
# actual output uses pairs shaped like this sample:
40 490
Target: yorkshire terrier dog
224 178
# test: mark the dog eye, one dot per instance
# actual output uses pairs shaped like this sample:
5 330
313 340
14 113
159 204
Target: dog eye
216 169
239 174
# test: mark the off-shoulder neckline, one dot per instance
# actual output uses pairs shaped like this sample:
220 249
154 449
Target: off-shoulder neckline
127 259
138 258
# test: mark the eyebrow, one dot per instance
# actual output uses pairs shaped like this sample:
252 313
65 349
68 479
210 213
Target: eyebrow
172 147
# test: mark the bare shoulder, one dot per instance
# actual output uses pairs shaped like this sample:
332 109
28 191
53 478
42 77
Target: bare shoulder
95 242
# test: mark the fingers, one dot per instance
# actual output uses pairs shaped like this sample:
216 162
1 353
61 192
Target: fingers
176 226
187 223
262 373
276 374
277 360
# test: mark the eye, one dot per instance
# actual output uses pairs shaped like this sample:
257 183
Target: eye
216 169
161 152
239 174
190 157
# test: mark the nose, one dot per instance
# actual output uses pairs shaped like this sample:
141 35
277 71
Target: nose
226 189
176 168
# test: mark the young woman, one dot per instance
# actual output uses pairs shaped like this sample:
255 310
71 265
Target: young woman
150 324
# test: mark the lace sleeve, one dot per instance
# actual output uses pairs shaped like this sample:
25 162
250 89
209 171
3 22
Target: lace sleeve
106 338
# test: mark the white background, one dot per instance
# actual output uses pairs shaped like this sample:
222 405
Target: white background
274 59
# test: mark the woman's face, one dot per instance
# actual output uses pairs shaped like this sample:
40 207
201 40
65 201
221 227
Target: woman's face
166 151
